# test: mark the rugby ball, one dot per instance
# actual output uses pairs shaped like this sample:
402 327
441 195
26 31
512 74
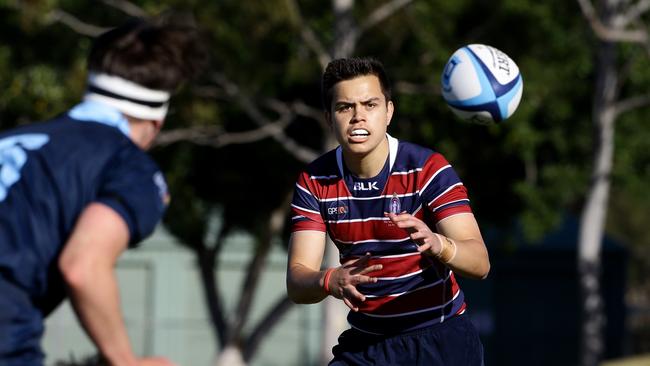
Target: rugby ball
481 84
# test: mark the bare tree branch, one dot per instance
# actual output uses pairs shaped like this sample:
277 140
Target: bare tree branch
86 29
628 104
381 13
126 7
635 12
307 34
251 109
610 34
297 107
302 109
217 138
347 32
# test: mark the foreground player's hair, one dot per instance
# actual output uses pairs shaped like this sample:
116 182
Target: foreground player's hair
349 68
157 54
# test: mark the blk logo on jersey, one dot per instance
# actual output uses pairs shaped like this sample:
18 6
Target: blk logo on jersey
337 210
365 186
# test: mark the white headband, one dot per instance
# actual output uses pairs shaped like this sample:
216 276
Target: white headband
128 97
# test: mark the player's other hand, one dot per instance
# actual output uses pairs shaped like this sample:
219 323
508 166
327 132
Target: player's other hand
428 242
344 280
155 361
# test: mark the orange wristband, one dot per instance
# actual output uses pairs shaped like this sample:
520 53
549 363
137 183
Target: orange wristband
326 280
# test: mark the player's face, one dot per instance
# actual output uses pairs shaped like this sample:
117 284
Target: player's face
144 132
150 133
359 114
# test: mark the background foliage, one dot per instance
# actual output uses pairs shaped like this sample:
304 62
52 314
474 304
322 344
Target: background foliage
526 173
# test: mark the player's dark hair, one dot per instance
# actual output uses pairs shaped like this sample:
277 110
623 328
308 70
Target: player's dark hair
158 54
349 68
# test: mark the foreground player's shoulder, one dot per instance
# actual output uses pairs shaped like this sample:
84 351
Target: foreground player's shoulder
425 162
87 140
320 171
133 185
325 165
412 156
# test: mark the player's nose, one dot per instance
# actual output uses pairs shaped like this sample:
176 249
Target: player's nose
359 114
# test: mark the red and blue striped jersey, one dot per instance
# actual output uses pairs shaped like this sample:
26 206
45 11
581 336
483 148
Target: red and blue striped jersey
413 291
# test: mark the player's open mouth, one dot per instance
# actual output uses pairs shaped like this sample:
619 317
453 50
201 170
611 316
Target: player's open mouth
359 134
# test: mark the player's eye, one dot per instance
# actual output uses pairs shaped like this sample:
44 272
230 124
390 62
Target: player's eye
343 107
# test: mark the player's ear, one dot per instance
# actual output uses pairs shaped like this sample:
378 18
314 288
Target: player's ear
328 118
390 108
158 124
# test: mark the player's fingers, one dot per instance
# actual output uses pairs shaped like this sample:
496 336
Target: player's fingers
420 235
356 261
373 268
410 224
398 217
364 259
358 265
350 305
354 295
350 261
424 247
362 280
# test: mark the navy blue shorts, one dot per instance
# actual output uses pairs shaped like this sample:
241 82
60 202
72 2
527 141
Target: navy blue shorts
452 343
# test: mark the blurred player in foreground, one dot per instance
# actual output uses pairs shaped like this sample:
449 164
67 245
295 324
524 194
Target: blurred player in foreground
78 190
400 218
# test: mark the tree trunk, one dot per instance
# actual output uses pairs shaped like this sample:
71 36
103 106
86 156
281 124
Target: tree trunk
240 348
273 316
594 212
345 30
231 355
207 267
334 311
254 270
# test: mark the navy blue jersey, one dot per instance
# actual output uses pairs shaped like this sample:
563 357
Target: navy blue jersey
49 172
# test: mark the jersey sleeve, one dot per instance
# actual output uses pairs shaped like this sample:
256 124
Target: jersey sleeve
305 210
133 186
442 192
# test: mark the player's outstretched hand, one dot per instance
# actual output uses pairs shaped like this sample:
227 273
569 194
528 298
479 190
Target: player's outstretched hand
155 361
428 242
344 280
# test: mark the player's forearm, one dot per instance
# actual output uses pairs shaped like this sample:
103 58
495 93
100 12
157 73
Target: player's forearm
95 298
305 286
469 258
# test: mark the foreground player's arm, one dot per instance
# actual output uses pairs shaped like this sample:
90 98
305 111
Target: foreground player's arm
87 264
458 243
304 277
471 256
306 282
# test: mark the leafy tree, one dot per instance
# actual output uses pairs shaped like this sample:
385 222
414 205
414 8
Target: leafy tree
254 119
616 92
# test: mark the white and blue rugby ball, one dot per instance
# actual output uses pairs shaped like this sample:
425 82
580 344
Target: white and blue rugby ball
481 84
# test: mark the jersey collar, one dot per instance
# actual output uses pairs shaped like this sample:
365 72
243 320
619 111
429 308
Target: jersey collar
91 111
392 155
